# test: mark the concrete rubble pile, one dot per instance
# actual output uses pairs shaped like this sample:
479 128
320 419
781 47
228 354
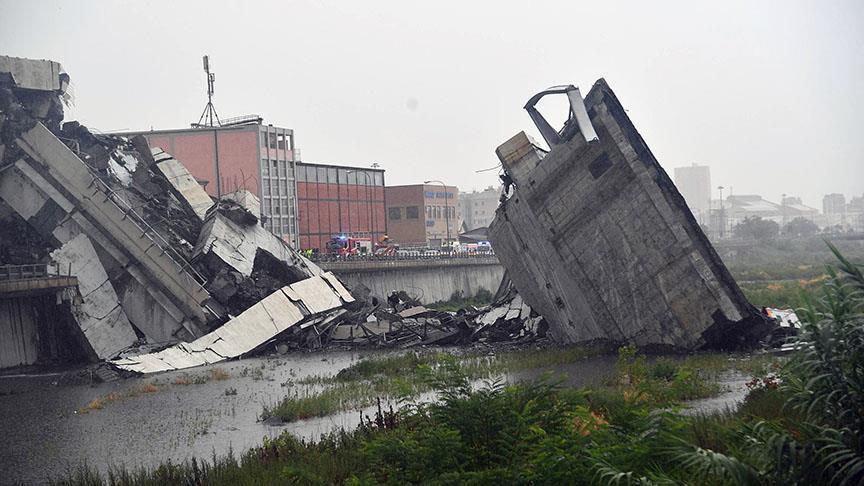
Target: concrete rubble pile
598 240
406 323
157 261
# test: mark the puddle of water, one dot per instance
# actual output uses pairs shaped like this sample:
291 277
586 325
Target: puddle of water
735 385
587 372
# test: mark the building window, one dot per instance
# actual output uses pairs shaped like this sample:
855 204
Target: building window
412 212
379 179
331 175
394 213
322 174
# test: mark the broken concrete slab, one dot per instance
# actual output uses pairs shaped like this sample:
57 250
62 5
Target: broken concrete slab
142 212
236 246
257 325
245 199
104 209
100 316
597 239
183 184
34 74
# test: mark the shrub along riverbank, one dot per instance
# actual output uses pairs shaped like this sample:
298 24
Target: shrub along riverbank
800 424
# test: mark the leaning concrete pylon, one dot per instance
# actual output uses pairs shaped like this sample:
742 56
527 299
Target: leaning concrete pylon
598 240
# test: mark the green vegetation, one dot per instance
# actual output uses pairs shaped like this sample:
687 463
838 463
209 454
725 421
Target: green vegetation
800 424
458 301
787 259
784 295
756 228
403 377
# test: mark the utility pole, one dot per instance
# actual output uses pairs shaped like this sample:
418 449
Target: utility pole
783 205
210 119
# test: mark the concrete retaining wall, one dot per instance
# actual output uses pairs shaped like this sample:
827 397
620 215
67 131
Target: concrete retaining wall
428 280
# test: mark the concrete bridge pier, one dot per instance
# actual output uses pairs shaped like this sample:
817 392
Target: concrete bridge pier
430 281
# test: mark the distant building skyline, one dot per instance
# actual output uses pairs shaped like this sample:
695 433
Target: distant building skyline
476 209
694 183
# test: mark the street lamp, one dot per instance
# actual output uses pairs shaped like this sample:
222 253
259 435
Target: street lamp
783 205
368 200
446 209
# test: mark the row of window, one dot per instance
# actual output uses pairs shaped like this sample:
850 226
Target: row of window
276 206
277 187
277 168
278 140
334 175
438 195
413 212
438 212
280 226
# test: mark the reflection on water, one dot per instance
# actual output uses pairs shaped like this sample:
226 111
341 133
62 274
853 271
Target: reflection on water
44 434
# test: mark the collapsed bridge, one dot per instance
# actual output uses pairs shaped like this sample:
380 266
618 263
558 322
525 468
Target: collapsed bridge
596 239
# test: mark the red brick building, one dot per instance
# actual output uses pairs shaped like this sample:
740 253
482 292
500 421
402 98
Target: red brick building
336 200
244 155
417 215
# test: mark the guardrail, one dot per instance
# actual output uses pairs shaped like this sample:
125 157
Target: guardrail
409 257
32 271
146 230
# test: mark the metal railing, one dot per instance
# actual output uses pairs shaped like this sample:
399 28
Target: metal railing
418 256
33 271
146 230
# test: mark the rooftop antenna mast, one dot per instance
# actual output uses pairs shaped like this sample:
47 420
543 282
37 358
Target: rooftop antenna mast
209 116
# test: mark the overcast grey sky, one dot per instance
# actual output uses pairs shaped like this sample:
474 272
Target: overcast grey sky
769 94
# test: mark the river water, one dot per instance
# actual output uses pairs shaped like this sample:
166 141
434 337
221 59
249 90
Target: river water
45 434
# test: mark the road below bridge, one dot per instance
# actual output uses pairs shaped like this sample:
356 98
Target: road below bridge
430 280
